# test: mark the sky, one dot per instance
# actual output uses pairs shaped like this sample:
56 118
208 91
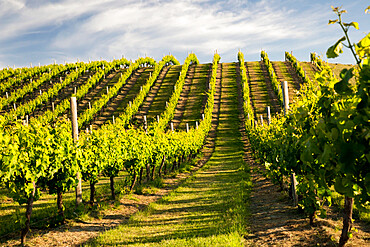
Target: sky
38 31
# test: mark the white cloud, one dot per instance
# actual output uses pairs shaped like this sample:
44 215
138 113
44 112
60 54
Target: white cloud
180 26
96 28
20 17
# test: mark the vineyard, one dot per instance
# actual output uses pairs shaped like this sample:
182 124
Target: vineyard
235 150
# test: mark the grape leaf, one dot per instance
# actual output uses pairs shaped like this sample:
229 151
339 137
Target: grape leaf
342 87
352 24
336 49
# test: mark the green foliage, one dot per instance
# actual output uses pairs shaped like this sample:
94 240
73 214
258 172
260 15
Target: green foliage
12 77
97 105
325 138
247 106
168 114
336 49
274 81
101 68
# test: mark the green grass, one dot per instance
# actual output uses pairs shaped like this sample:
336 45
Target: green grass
198 90
211 207
164 93
258 90
308 69
133 91
285 75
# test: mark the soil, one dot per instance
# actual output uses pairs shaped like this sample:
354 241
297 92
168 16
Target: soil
261 92
64 93
34 93
112 107
284 73
197 97
98 89
181 104
337 68
143 111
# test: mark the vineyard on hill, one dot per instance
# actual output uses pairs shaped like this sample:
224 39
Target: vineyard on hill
145 127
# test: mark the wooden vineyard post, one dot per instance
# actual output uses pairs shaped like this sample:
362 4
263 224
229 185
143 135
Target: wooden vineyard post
75 139
268 115
294 189
187 128
172 127
196 124
158 118
293 181
261 119
145 125
284 88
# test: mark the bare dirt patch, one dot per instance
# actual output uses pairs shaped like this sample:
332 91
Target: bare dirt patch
181 104
143 111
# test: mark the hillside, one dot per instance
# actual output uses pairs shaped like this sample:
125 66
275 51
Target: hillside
198 185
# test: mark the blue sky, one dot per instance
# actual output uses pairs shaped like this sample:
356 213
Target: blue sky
38 31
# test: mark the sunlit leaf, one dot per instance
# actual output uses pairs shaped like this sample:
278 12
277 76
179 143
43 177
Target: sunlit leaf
365 41
332 21
367 9
336 49
363 47
353 24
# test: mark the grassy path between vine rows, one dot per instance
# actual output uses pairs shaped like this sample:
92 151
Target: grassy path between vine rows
284 72
210 209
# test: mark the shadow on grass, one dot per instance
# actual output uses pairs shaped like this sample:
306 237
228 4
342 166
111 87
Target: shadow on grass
210 204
